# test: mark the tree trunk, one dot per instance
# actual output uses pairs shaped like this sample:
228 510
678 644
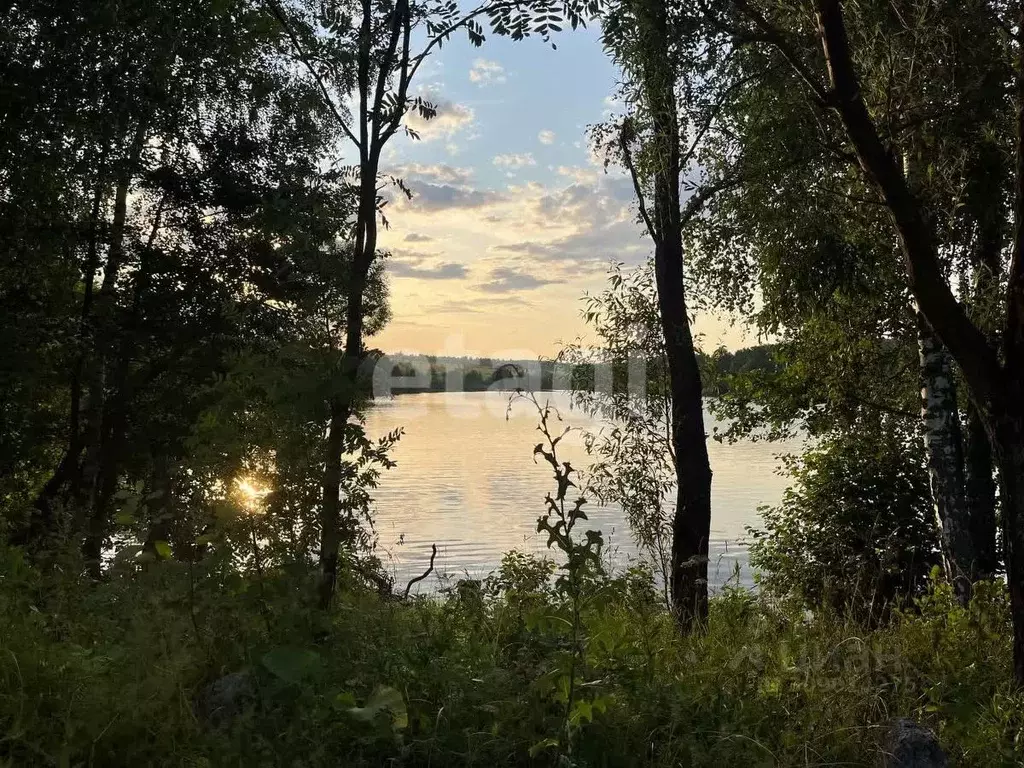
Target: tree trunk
1010 437
106 334
1008 406
44 521
691 525
330 522
997 391
943 441
986 205
346 388
115 417
980 494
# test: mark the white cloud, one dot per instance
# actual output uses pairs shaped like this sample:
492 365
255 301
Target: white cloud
517 242
546 137
588 175
613 105
514 161
485 72
563 230
421 267
450 119
436 173
440 197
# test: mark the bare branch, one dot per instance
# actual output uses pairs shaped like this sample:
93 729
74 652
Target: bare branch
430 568
627 158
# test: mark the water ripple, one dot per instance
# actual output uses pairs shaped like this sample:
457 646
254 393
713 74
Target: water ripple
465 480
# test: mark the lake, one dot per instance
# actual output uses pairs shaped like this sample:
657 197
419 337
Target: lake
465 480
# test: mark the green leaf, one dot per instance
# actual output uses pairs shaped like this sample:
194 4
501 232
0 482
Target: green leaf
163 549
383 699
581 710
292 665
540 746
345 700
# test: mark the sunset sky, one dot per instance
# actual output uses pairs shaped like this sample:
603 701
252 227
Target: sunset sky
513 219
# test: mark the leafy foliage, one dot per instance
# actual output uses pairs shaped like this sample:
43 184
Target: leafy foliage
856 533
632 451
106 675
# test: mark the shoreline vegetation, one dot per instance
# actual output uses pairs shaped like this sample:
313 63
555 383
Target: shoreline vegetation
217 654
467 374
192 664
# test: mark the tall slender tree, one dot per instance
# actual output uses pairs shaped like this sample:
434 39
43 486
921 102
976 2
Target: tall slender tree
368 53
658 142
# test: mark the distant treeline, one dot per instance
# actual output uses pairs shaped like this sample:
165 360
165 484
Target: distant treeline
720 366
431 373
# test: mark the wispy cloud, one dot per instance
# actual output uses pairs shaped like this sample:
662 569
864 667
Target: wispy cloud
486 72
514 161
422 267
546 137
451 118
508 280
440 197
438 173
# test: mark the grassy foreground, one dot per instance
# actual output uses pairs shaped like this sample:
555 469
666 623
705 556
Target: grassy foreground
488 675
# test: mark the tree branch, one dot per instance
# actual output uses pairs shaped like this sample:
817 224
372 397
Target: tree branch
439 38
365 44
385 68
278 13
696 201
430 568
947 317
627 158
766 33
404 78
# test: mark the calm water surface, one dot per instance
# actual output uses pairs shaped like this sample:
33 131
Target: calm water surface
466 481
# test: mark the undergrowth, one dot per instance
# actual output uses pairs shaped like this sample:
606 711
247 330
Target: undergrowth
113 674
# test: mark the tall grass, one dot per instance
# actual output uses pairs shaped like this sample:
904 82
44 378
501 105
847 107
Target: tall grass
109 675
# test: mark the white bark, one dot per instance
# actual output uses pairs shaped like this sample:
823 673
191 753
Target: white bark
943 442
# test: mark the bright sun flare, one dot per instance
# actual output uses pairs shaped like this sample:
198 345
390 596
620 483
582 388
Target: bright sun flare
250 492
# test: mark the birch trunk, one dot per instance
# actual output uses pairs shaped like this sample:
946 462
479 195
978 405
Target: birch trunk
943 440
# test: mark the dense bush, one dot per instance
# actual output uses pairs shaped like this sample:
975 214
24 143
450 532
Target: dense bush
856 530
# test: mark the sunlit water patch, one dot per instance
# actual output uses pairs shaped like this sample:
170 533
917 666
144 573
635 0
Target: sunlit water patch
466 481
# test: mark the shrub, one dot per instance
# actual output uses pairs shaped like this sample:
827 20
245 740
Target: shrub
856 532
